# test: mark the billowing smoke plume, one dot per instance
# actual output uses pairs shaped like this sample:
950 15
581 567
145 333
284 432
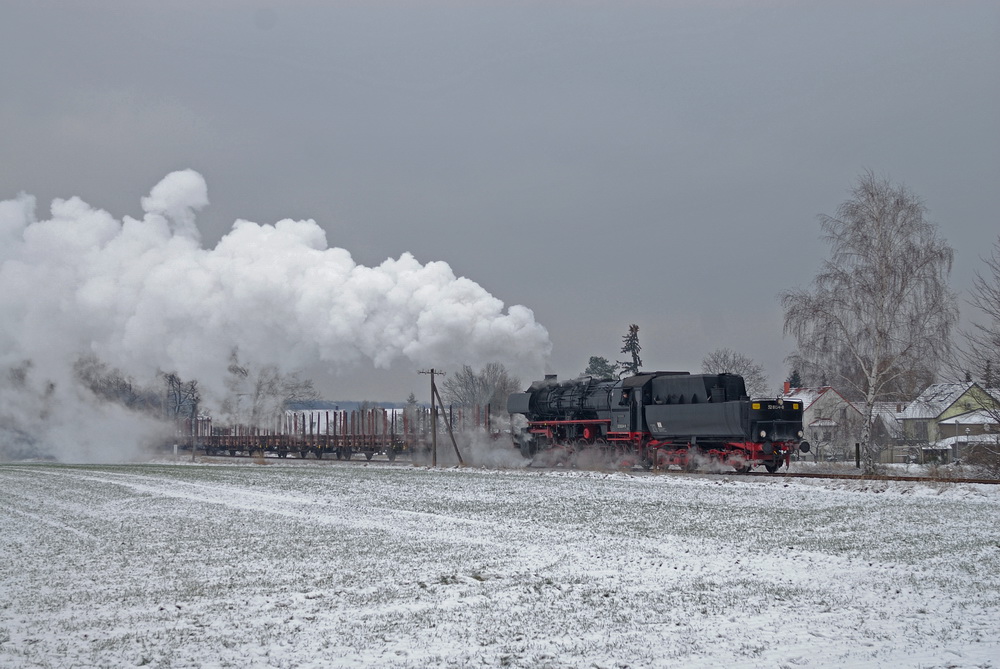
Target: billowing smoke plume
144 297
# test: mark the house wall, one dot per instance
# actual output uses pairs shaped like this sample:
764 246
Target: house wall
836 441
918 430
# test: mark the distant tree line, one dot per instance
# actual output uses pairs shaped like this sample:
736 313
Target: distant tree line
256 396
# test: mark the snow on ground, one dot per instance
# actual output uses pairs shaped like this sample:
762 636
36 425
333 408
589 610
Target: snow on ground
320 564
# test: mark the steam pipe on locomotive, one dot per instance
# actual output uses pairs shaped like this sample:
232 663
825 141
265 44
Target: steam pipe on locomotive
660 419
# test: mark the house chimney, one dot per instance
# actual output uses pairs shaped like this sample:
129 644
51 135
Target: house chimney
788 387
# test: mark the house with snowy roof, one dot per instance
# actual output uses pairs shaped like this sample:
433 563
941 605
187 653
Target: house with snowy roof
964 433
887 427
945 412
832 425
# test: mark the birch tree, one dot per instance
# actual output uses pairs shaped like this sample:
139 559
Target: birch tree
879 309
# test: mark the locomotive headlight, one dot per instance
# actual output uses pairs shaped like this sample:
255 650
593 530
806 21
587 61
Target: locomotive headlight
800 434
763 433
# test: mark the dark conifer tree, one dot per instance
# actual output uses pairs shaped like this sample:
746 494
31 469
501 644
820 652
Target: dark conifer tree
631 345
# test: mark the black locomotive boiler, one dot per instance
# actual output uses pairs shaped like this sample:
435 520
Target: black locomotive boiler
660 419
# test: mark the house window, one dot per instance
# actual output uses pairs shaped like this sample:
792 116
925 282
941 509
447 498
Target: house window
921 429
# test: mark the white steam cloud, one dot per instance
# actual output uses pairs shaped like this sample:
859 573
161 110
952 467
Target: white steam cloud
143 296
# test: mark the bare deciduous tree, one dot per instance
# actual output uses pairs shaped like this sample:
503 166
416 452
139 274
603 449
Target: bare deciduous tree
491 386
727 361
111 385
182 397
982 350
258 396
982 341
880 309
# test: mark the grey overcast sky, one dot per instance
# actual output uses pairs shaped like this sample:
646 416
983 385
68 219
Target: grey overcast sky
601 163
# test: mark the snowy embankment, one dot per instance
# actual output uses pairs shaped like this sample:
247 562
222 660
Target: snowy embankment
344 564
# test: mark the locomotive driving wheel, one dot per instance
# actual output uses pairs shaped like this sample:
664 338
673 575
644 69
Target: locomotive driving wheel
647 457
691 461
738 459
528 450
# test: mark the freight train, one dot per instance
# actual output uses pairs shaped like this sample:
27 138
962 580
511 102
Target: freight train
659 419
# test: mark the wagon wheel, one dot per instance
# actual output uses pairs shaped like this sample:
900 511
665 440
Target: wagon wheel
391 454
369 454
232 452
319 453
772 467
742 469
346 453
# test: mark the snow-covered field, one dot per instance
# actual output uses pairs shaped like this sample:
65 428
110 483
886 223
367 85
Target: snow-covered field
319 564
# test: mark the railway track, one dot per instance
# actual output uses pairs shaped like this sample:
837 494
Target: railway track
405 459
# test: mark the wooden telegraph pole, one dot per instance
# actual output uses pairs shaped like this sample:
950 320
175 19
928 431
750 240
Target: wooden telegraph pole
435 401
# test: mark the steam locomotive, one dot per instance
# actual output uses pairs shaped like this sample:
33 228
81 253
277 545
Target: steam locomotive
659 419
